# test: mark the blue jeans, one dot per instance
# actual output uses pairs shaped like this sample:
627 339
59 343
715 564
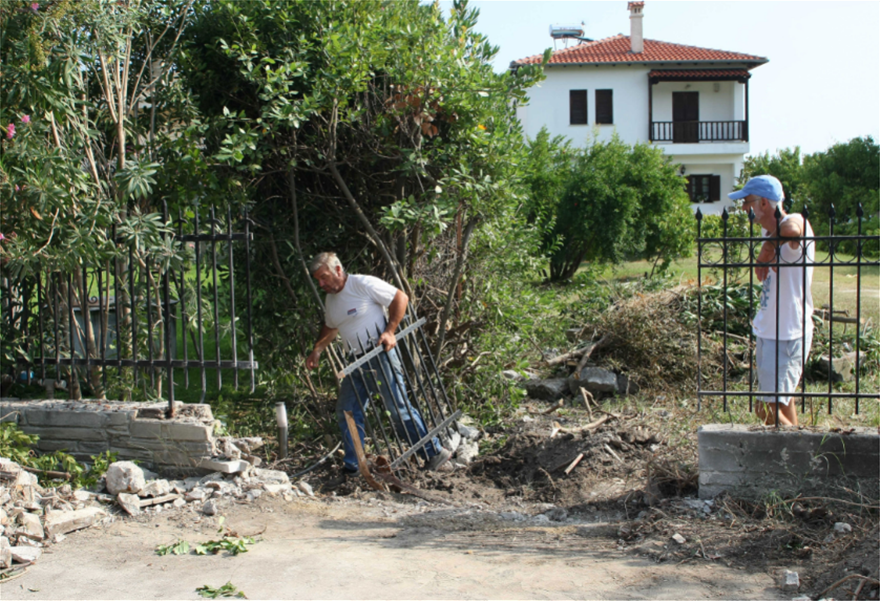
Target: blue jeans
385 373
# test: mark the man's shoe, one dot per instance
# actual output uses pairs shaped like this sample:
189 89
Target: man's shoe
340 479
439 460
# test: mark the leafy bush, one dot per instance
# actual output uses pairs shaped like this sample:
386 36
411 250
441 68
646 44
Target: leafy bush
16 445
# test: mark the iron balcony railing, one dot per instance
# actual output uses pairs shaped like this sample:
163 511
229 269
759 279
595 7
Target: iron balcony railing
686 132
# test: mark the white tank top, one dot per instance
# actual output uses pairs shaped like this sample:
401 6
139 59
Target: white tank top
792 283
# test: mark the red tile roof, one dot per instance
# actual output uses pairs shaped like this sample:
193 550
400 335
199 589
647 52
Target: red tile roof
616 49
699 74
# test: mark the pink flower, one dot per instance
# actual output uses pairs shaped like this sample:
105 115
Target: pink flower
17 189
35 6
26 119
2 237
10 131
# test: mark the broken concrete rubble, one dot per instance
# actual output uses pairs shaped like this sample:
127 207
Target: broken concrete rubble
124 476
155 488
26 554
5 553
62 522
32 517
130 503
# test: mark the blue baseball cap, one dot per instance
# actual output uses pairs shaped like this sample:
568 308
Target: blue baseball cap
765 186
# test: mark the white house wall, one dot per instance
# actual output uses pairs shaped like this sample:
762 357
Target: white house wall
548 104
549 107
727 166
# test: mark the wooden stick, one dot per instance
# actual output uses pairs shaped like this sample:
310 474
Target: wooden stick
359 451
613 454
588 401
598 422
557 405
566 356
602 341
49 473
873 507
844 579
829 316
573 464
158 500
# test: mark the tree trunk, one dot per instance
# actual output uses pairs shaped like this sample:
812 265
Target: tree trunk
453 286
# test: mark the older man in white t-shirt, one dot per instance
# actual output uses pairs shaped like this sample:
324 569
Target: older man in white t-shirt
355 309
783 326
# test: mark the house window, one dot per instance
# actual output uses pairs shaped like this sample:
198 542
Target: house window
604 107
577 107
704 188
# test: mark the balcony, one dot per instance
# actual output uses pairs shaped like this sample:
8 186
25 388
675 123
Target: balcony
694 132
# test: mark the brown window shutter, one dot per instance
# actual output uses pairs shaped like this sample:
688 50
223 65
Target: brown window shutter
577 107
604 107
714 188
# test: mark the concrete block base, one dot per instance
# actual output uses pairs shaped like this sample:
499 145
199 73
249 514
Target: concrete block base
752 461
134 430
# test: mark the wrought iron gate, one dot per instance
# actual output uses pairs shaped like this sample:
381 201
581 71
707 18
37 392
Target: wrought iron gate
729 254
141 313
422 388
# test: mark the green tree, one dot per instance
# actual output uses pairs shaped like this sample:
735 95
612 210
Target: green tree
621 202
843 177
376 129
81 110
665 216
785 165
548 167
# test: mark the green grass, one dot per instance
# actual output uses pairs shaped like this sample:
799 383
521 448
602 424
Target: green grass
845 280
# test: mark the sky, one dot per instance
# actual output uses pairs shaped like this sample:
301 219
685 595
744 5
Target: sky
821 86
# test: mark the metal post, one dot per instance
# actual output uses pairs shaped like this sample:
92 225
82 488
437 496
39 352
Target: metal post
281 419
699 217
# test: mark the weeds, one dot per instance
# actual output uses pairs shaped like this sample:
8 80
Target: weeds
181 547
227 590
232 545
52 467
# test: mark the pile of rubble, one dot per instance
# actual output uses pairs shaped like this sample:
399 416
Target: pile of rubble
33 517
136 492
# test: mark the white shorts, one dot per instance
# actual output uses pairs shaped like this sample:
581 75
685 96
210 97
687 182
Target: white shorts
790 354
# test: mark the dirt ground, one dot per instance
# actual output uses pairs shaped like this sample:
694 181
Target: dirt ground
623 523
374 546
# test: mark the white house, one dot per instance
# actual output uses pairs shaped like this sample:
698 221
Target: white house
691 102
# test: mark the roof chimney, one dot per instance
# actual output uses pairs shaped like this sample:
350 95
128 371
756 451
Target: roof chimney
635 26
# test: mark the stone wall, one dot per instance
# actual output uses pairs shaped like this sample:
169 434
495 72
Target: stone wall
137 431
752 461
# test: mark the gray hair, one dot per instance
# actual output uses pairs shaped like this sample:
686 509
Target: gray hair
325 259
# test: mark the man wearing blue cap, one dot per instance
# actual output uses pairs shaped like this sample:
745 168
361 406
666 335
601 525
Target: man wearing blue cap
783 326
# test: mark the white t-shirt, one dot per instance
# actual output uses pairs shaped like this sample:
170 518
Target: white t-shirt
359 309
793 283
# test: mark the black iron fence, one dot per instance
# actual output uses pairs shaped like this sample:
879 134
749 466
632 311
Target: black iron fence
736 299
394 390
140 314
